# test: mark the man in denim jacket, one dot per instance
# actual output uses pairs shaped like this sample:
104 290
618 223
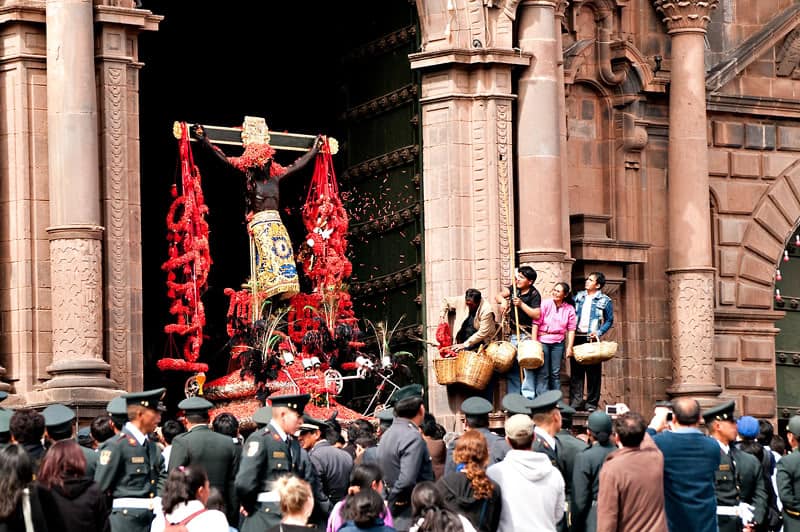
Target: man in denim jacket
595 317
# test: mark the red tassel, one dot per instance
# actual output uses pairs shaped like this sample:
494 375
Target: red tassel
174 191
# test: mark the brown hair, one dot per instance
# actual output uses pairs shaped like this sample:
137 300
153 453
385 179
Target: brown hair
64 460
471 450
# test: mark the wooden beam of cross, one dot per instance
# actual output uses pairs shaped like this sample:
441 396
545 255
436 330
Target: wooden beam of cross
255 130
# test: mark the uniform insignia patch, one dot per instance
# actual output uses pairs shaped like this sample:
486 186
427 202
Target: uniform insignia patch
132 441
278 454
137 459
105 457
724 467
276 437
252 448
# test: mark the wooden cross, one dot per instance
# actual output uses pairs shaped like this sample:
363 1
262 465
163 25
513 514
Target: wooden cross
254 130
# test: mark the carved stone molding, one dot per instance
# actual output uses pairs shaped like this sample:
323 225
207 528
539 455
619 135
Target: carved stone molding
382 104
504 195
382 45
386 282
686 15
399 157
691 302
387 222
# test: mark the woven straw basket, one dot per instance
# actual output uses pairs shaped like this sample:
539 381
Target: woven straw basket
503 354
530 354
594 352
446 370
475 369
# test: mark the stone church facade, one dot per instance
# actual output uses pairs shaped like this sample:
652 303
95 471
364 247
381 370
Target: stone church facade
656 141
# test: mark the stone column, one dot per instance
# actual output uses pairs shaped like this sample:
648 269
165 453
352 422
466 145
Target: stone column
543 214
76 254
691 275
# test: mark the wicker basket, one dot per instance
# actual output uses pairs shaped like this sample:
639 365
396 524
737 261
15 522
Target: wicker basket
530 354
475 369
503 355
446 370
594 352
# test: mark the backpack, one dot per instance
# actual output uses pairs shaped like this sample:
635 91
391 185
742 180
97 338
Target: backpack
181 527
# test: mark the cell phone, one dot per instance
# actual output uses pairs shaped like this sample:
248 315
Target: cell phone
611 410
665 404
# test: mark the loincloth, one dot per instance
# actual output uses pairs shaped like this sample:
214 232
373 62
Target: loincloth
276 272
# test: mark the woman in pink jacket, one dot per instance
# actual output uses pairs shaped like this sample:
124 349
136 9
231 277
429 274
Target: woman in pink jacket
556 331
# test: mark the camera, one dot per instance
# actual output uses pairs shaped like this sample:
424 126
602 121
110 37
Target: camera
611 410
665 404
617 409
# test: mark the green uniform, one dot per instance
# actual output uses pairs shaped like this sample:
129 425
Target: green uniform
265 458
217 454
91 460
739 480
788 480
585 485
132 475
570 447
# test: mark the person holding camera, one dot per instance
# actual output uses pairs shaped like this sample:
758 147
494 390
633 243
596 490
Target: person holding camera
595 317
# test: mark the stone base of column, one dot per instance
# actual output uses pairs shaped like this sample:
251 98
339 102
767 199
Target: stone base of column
79 373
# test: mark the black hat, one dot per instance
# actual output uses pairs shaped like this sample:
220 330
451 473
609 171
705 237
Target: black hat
599 422
117 407
85 436
476 406
546 401
386 415
311 424
195 406
58 418
263 415
723 412
148 398
514 403
566 410
412 390
294 402
5 420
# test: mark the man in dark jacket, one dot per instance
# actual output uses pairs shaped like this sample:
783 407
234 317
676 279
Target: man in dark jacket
27 429
476 416
586 473
788 478
333 465
570 448
59 422
215 452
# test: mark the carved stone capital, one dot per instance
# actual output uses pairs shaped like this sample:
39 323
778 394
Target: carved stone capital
553 4
686 15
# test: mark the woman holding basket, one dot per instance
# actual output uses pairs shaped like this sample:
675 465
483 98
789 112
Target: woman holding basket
556 332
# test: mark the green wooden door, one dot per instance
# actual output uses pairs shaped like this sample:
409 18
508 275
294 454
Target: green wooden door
381 182
787 343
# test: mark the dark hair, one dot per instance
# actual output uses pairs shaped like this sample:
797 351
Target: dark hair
431 428
27 426
477 421
363 475
62 434
197 418
751 446
600 278
62 461
332 431
630 428
364 508
686 410
567 293
765 432
215 500
427 503
407 407
16 474
182 485
246 428
101 428
528 272
366 441
227 424
359 428
474 295
778 444
171 429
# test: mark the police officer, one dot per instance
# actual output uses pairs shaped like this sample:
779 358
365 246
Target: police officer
385 420
739 477
59 424
117 410
476 416
570 447
214 452
130 467
262 416
333 465
787 477
403 454
547 421
5 426
270 453
586 472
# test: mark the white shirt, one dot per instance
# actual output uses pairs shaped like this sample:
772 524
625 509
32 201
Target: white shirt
279 430
140 436
165 453
208 521
551 441
586 312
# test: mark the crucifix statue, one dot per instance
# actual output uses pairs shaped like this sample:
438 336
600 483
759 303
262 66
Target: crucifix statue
273 270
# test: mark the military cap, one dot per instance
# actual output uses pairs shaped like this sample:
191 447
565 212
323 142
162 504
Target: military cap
566 410
514 403
5 420
723 412
58 418
747 426
546 401
148 398
412 390
294 402
386 415
794 425
311 424
599 422
519 426
85 436
476 406
195 406
3 396
263 415
117 407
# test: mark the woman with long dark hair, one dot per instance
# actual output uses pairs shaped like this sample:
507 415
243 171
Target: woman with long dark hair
363 512
431 514
556 331
74 502
20 505
363 477
468 490
183 501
